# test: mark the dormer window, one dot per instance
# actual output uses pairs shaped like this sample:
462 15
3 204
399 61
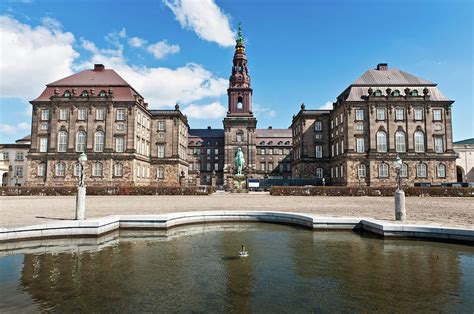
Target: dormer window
378 93
414 93
85 94
67 94
102 93
262 143
396 93
240 105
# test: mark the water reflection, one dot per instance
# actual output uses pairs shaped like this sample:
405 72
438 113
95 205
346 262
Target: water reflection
197 269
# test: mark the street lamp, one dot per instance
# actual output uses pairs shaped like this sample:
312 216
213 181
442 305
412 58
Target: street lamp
400 211
81 189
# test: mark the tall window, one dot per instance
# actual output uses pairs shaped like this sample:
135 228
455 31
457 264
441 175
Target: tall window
381 142
441 171
41 170
81 141
383 170
437 114
160 172
400 142
262 151
59 171
361 171
161 126
399 114
342 146
81 114
239 137
18 171
161 151
119 147
208 166
99 141
216 166
438 144
120 114
97 169
62 141
63 114
359 114
262 166
319 173
404 171
319 151
270 166
360 148
19 156
418 113
5 156
421 170
240 105
380 113
359 127
318 126
43 144
100 114
118 170
45 114
77 169
419 142
216 151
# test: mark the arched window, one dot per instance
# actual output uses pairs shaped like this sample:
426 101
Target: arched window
160 172
287 143
240 105
441 171
421 170
102 93
67 93
81 141
280 143
97 169
270 143
85 93
319 173
378 92
361 171
59 170
262 143
404 171
400 142
240 136
414 92
118 170
99 141
62 141
396 93
419 142
381 142
383 170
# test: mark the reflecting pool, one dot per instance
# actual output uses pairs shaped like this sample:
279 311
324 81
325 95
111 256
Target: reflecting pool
196 268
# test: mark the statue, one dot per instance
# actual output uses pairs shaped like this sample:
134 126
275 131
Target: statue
239 161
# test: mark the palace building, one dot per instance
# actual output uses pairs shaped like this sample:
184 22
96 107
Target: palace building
384 113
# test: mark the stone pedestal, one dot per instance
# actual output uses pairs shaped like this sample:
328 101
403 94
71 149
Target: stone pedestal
400 211
81 203
213 181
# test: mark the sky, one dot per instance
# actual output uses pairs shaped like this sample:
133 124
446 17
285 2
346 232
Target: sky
181 51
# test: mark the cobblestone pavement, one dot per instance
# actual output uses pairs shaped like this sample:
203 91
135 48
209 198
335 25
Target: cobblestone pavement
28 210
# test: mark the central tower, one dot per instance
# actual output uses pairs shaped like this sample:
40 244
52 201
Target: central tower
239 123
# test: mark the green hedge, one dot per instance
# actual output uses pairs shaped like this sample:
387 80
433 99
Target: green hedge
369 191
107 190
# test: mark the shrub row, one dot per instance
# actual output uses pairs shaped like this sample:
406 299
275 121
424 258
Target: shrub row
107 190
369 191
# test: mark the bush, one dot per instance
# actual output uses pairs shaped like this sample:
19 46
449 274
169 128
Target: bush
369 191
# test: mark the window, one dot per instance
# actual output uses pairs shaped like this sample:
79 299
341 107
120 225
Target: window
63 114
216 166
62 141
208 166
319 173
97 169
239 137
400 142
270 151
161 126
45 114
118 170
441 171
240 105
99 141
81 141
332 150
100 114
197 151
438 144
102 94
319 151
216 151
288 167
67 94
396 93
43 144
378 93
59 171
419 142
399 114
361 171
318 136
436 114
119 147
161 151
43 126
77 170
120 114
414 93
120 126
81 114
18 171
5 156
438 127
41 170
359 114
332 124
342 146
262 151
208 151
262 166
380 113
381 142
360 148
270 166
342 118
336 172
337 149
421 170
337 121
418 113
359 127
342 171
84 93
19 155
160 173
383 170
404 171
318 126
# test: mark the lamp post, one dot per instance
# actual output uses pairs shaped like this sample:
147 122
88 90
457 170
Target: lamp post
400 211
81 189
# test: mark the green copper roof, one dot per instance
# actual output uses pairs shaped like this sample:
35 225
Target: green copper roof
240 37
464 142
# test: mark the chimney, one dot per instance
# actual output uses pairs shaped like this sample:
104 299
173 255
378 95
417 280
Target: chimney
208 127
270 127
382 66
99 67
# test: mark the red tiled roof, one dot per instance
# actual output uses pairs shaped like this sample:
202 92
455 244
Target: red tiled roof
92 78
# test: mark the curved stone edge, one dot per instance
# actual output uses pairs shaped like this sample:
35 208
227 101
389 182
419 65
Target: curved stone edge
100 226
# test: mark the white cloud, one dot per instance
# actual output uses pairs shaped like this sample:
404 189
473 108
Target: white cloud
263 111
136 42
162 49
205 18
210 111
326 106
33 56
9 129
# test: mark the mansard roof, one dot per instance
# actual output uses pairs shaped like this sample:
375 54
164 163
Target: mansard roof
206 133
390 77
270 132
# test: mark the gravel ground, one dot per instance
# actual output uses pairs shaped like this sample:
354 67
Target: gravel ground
441 211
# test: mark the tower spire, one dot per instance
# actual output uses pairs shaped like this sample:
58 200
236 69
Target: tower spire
240 37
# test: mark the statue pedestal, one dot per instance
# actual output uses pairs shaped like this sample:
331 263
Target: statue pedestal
237 183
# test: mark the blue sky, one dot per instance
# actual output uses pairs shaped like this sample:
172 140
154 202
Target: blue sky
181 51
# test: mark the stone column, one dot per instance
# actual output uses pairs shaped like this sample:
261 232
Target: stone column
81 203
400 211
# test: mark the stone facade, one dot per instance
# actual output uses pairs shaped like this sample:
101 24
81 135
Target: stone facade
465 161
14 163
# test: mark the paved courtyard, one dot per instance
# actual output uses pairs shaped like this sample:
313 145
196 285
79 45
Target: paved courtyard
28 210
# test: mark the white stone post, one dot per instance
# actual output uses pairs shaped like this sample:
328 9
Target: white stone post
81 190
400 211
